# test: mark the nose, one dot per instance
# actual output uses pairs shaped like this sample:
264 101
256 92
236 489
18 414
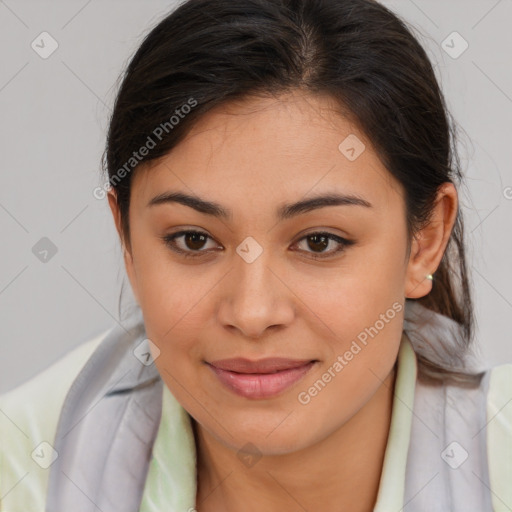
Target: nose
256 298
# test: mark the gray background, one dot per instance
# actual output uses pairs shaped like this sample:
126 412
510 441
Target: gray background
54 114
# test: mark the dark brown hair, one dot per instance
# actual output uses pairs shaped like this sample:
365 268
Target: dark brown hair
357 52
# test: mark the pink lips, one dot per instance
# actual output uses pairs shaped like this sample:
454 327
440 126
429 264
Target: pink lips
260 379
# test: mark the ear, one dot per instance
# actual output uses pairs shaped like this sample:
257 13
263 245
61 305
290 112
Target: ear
429 244
127 254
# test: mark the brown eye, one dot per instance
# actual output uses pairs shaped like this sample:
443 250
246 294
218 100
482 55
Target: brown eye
192 243
317 243
195 241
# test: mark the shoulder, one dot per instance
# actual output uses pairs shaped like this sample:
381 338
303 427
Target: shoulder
46 391
501 374
499 400
499 396
499 434
28 417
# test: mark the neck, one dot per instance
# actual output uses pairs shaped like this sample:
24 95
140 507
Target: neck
341 472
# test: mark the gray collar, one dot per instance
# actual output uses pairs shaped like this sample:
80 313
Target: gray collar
107 427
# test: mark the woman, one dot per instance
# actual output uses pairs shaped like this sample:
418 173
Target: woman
283 180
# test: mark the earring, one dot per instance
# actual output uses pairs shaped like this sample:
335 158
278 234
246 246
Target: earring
430 276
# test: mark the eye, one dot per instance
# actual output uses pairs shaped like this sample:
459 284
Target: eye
320 241
192 243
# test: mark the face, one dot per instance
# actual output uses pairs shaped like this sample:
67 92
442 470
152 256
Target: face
254 277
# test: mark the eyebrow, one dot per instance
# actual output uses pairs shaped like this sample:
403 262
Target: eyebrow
284 212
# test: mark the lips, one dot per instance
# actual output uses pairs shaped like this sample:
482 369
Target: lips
266 378
269 365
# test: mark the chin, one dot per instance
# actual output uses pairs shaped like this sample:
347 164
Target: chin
267 439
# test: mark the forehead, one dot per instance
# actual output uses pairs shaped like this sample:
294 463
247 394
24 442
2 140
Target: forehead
263 147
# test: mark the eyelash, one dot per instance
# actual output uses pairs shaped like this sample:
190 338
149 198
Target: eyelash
169 241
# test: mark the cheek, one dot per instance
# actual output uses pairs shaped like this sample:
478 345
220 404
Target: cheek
362 306
324 407
174 310
167 290
380 270
366 283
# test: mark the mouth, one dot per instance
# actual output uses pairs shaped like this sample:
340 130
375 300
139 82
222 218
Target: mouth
260 379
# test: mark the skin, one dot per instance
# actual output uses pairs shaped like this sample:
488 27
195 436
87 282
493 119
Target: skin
251 157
